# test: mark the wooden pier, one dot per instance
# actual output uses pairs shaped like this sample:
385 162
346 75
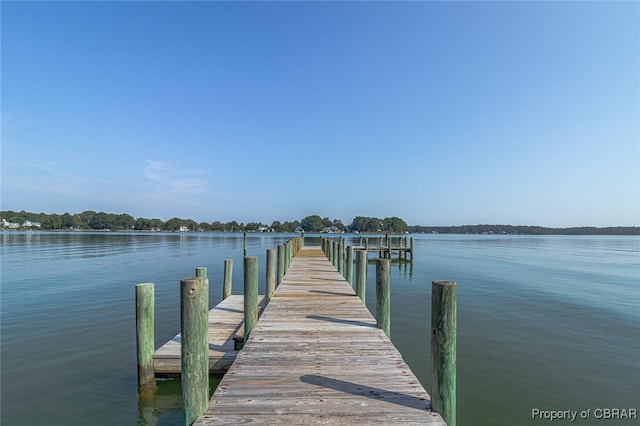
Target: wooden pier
226 328
316 356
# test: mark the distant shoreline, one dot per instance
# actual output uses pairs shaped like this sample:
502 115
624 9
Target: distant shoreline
106 222
424 230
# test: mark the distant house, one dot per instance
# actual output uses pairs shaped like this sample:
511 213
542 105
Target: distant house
299 229
184 229
331 230
29 224
10 225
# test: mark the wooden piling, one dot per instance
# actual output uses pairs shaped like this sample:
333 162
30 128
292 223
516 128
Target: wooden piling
443 349
244 243
331 251
250 295
228 278
144 335
341 257
383 295
201 272
349 265
271 274
194 314
361 274
280 263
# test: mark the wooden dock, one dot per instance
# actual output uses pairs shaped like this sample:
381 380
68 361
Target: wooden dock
226 321
316 357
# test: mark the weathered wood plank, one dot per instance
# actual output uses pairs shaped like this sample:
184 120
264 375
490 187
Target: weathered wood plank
226 320
316 357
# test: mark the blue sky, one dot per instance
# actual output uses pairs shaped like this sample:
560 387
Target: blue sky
441 113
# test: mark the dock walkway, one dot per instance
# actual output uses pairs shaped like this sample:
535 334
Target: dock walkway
316 356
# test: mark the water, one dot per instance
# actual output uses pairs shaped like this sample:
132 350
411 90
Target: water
549 323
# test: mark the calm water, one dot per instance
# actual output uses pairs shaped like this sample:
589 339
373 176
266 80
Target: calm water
549 323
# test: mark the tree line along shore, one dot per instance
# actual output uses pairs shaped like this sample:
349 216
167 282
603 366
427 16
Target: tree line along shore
91 220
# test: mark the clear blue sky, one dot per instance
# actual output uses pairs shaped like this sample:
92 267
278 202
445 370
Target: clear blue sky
441 113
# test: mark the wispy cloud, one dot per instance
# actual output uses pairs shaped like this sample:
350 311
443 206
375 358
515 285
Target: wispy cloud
165 177
49 168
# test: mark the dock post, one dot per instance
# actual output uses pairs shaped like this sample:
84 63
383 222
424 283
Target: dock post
201 272
144 335
250 295
331 247
443 349
349 266
244 243
194 323
361 274
280 263
383 292
411 249
341 257
228 278
271 274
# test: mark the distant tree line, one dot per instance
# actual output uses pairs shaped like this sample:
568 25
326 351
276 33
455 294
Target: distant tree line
91 220
524 230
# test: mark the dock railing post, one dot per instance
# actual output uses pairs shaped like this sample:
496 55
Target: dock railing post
271 274
332 246
383 293
228 278
201 272
341 257
194 323
361 274
443 349
244 243
250 295
144 335
411 249
280 263
349 265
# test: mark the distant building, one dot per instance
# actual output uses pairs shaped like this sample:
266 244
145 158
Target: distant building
10 225
29 224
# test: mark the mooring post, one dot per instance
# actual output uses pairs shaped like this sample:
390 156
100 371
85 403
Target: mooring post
412 249
330 246
335 254
250 295
383 295
443 349
341 257
228 278
201 272
194 322
349 265
280 263
244 243
271 274
361 274
144 335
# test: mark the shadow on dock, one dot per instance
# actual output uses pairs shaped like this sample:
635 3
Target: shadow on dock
368 391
